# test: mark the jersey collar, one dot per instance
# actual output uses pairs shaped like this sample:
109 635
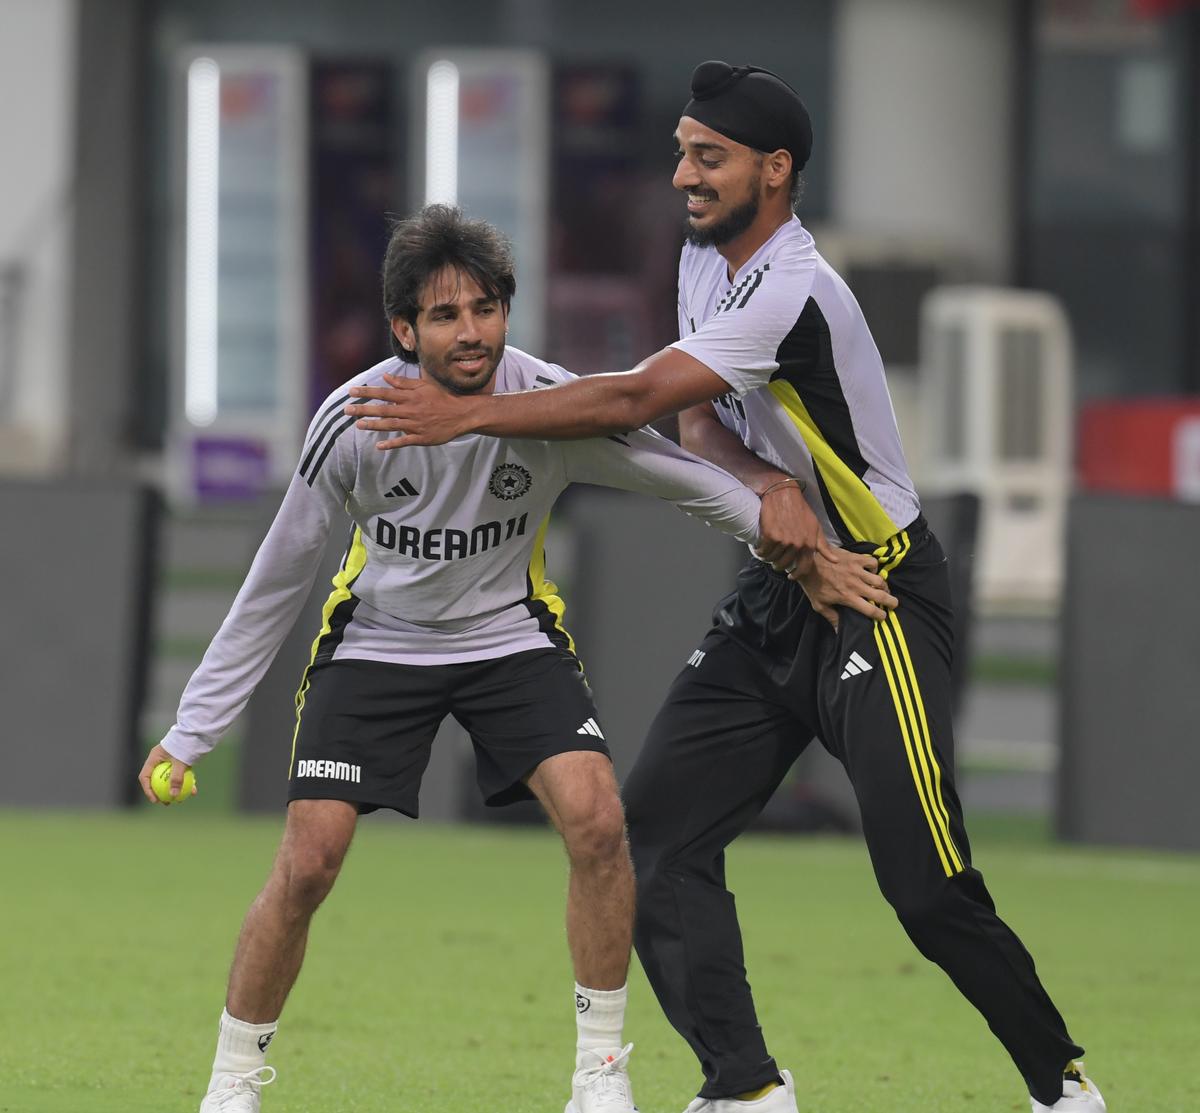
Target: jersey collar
756 260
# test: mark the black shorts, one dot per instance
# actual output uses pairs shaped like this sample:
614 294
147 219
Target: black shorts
365 729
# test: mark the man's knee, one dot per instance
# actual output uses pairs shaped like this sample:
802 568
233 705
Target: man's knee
927 909
314 847
647 852
654 831
595 833
307 874
640 803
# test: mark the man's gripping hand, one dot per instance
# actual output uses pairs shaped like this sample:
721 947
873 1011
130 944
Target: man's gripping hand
849 579
153 758
420 411
789 532
792 541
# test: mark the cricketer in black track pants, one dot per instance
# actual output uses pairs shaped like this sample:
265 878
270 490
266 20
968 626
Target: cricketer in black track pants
774 675
777 379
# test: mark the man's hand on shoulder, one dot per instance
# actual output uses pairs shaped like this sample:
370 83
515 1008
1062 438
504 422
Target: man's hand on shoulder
422 412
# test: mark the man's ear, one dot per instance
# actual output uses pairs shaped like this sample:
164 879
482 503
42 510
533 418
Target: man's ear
405 333
778 167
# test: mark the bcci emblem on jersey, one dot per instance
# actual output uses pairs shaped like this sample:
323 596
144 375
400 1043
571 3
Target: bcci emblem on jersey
509 481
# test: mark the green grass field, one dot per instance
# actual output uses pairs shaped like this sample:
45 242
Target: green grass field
438 978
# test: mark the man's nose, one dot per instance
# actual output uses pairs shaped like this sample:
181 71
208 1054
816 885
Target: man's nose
685 175
468 329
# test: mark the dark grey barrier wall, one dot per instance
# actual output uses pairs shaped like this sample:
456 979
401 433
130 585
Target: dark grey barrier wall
1130 674
77 562
646 579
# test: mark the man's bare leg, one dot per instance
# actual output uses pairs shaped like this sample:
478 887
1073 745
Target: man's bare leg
579 793
580 796
270 948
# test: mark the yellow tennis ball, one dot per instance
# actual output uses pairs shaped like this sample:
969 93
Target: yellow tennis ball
160 782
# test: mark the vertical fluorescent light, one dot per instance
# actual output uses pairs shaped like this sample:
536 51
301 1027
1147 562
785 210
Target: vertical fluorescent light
200 286
441 133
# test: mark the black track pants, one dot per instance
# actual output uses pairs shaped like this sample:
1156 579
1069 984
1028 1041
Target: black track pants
772 676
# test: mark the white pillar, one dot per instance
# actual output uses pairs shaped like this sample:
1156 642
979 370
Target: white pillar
37 132
922 125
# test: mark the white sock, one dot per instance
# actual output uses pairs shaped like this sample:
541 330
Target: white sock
599 1018
241 1047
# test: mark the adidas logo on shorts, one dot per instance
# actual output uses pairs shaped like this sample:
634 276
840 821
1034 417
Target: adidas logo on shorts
591 727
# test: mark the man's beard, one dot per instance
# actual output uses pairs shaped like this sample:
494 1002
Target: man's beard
443 375
734 224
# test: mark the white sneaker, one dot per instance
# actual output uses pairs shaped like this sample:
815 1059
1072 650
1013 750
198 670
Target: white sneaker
1080 1094
237 1093
782 1099
604 1087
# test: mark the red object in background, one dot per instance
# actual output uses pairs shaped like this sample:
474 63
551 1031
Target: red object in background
1152 8
1151 447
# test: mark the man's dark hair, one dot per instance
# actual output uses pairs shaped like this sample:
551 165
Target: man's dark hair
797 189
440 236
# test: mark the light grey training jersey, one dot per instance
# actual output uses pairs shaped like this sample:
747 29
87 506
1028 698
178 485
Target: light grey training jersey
807 388
446 560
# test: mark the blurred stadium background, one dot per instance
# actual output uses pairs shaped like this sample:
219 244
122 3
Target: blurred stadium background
193 209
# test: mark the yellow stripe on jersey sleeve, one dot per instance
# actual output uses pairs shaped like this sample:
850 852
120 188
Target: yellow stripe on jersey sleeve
859 508
352 566
544 590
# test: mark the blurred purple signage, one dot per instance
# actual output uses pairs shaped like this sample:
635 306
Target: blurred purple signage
229 468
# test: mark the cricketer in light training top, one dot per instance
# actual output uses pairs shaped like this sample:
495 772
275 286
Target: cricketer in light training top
787 322
446 559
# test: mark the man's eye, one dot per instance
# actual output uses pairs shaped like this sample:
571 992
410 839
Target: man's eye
487 310
709 164
678 155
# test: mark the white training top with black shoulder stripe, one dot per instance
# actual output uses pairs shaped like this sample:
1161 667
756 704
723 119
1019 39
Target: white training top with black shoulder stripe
446 560
807 387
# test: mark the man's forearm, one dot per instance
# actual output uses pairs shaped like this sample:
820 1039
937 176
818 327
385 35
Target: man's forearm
420 412
701 433
594 406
